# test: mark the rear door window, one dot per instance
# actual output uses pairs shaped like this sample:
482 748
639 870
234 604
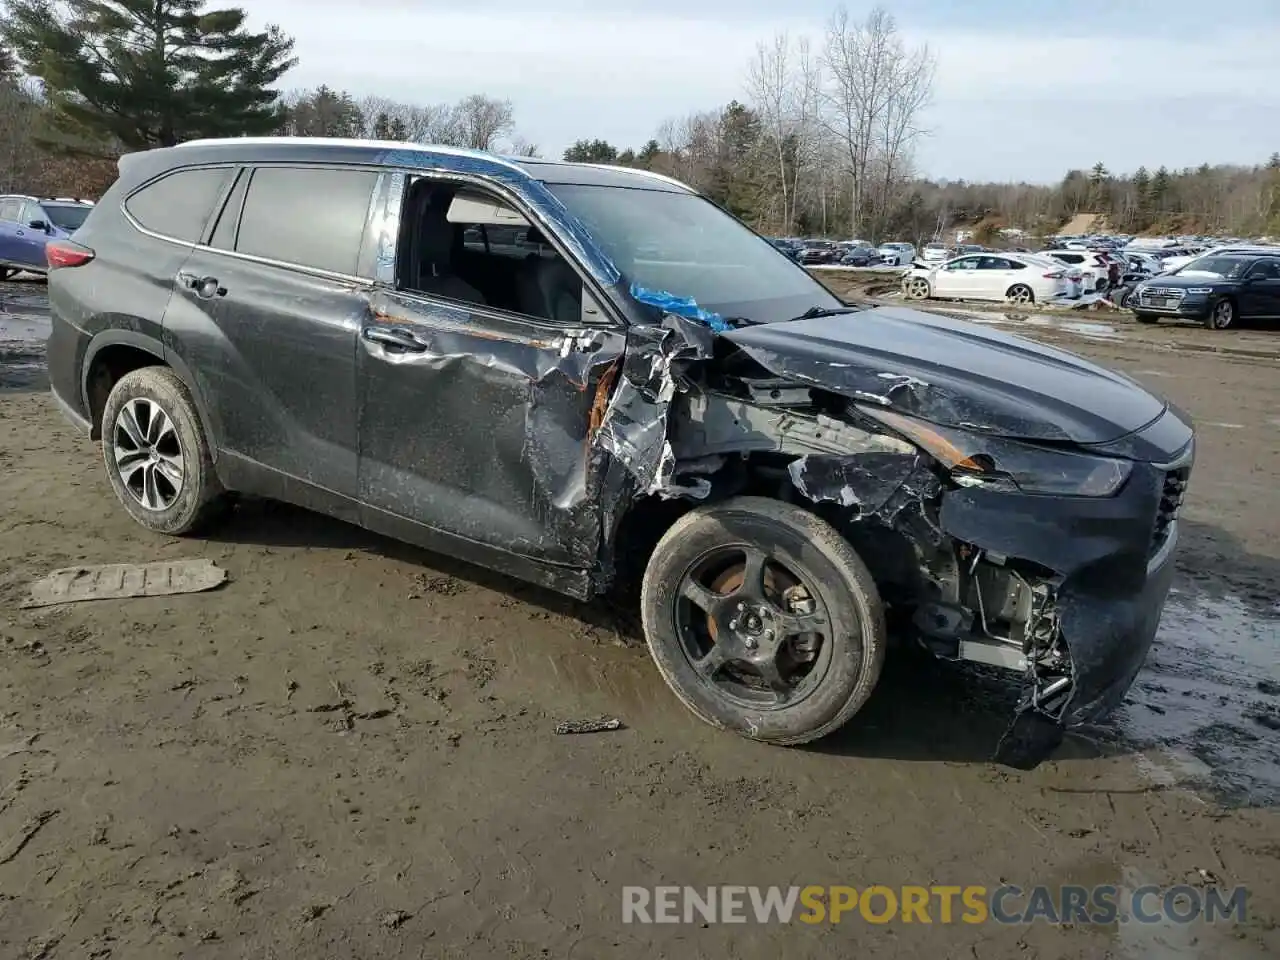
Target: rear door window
9 209
178 205
310 216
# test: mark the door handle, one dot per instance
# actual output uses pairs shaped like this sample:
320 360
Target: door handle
21 234
206 288
395 338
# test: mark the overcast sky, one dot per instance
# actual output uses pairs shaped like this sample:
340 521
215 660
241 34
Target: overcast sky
1025 88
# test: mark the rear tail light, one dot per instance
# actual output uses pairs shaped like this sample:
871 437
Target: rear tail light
66 253
1053 276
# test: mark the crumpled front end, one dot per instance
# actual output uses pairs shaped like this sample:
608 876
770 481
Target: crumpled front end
1065 592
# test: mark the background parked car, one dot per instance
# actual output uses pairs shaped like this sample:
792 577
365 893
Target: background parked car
1021 278
28 223
1094 267
935 252
1222 290
859 256
819 252
896 254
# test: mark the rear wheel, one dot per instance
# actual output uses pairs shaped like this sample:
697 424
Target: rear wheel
1021 293
1222 316
156 455
763 620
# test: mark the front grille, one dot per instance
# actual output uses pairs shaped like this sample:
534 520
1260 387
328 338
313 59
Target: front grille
1166 297
1173 488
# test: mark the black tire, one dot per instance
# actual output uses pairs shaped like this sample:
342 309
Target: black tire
1147 318
851 655
1222 316
176 508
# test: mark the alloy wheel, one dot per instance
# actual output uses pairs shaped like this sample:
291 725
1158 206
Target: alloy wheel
1223 314
147 454
752 629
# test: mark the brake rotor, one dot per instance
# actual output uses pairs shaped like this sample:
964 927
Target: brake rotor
777 583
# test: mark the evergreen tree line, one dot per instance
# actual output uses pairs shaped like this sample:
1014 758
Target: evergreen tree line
821 142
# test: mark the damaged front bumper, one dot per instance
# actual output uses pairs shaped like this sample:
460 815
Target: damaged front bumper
1101 569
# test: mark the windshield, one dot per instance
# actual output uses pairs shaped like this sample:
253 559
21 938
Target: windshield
68 217
1229 267
682 244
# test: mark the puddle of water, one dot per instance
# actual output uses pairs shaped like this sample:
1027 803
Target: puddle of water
1210 691
24 329
1083 328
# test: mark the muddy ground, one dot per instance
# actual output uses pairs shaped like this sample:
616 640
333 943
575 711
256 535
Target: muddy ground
348 750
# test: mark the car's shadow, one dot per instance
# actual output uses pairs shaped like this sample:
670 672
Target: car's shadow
922 710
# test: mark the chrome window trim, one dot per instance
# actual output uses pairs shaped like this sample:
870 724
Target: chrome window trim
235 254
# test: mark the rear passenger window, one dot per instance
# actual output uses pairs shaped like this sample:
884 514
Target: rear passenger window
9 209
308 216
179 205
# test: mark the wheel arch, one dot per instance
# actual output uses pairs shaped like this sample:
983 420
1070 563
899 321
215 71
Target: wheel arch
113 353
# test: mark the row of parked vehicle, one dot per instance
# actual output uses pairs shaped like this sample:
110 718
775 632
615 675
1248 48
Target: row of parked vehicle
845 253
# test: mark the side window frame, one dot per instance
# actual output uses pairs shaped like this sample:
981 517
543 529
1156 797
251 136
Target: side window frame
598 309
164 175
235 196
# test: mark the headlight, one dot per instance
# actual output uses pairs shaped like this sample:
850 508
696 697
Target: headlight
1204 290
977 460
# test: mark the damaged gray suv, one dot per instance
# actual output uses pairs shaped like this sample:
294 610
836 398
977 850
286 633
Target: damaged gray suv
547 368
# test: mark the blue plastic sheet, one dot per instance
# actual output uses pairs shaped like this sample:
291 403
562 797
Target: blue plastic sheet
681 306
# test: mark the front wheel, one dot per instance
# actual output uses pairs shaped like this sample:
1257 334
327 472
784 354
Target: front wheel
156 455
917 288
763 620
1021 293
1222 316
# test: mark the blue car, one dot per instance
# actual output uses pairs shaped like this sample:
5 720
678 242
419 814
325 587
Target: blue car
27 223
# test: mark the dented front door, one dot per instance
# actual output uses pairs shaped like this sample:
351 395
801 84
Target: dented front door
477 422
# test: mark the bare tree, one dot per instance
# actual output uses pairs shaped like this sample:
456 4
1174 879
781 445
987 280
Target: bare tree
783 83
873 99
482 121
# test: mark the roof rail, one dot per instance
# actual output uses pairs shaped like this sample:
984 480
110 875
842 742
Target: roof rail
353 142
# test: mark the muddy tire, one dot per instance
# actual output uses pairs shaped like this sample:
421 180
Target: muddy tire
1222 316
785 653
157 459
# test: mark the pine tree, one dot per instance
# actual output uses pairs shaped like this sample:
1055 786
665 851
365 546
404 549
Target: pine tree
1160 191
148 73
591 151
1141 199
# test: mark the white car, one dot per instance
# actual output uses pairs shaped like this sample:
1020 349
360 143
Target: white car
1093 266
1018 277
935 252
896 254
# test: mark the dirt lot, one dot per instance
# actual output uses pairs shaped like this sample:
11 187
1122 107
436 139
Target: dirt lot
347 751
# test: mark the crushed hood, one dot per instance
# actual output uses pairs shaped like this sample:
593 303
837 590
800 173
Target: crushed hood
954 373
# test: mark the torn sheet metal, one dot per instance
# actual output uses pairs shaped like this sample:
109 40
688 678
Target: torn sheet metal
863 483
634 428
116 581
